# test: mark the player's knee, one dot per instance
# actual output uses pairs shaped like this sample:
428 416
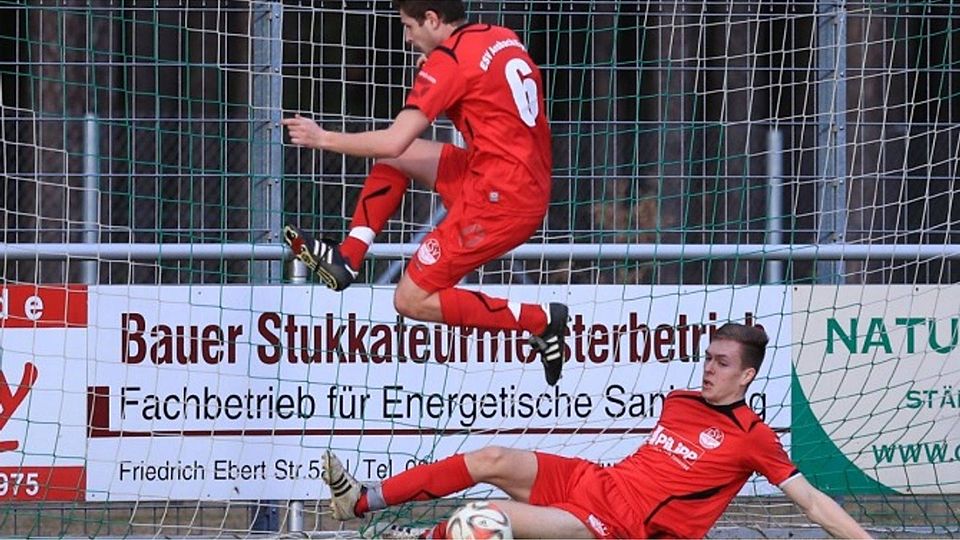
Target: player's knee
406 305
414 303
490 462
401 304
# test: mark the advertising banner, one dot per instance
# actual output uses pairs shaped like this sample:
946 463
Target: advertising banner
233 392
876 391
43 363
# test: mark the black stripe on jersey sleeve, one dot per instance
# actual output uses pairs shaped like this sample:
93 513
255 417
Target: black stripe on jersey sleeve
471 28
410 107
795 472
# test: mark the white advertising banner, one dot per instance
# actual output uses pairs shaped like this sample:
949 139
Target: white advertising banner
878 372
233 392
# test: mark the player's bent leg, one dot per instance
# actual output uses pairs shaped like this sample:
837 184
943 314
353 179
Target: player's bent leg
380 197
411 300
419 162
421 483
528 521
513 471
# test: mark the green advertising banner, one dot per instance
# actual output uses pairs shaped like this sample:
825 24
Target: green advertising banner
876 388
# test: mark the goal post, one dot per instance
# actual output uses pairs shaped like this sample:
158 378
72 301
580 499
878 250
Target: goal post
161 374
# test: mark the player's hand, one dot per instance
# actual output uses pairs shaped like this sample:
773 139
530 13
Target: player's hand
305 132
421 61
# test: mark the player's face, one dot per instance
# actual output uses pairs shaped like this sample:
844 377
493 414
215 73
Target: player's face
423 36
725 379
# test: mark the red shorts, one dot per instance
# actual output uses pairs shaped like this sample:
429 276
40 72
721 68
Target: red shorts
469 236
583 489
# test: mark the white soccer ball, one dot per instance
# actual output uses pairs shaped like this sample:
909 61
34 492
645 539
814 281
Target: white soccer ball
479 521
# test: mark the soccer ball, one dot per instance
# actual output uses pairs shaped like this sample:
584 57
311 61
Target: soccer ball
479 520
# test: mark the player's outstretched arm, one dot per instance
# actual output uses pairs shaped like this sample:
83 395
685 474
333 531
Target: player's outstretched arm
822 510
381 143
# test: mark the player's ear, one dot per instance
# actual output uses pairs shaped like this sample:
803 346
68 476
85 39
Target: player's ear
747 376
433 18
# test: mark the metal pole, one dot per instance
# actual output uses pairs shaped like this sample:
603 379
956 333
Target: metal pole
831 131
633 252
295 523
266 164
774 269
91 196
266 135
298 272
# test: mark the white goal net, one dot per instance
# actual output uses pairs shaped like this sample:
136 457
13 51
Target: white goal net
790 164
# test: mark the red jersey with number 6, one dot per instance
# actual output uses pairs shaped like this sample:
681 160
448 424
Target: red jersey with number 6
484 81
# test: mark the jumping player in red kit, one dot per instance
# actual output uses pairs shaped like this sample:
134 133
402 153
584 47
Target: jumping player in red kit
704 448
496 190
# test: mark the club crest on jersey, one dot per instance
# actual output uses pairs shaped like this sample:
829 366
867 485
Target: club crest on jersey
682 451
711 438
429 252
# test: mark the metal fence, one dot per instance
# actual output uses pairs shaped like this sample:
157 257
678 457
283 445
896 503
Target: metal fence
660 112
155 124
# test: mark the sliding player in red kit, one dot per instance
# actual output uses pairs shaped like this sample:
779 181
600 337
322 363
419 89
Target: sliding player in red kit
496 190
678 483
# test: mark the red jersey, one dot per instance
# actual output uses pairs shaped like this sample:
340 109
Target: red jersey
482 78
695 461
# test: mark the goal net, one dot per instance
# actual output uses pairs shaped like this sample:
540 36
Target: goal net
778 163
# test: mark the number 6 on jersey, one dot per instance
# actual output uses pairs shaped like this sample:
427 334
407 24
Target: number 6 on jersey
524 90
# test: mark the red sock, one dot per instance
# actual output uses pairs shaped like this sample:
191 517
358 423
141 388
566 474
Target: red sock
471 308
363 504
354 250
426 482
438 531
379 198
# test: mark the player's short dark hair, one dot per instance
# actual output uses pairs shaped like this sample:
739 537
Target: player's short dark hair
753 342
449 11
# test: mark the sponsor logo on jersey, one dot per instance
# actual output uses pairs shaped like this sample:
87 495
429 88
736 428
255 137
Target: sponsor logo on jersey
427 76
711 438
680 450
598 525
429 252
